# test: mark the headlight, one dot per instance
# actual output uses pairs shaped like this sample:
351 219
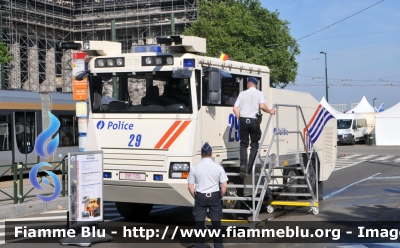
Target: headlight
148 60
179 170
86 45
180 167
158 61
110 62
120 62
100 62
170 61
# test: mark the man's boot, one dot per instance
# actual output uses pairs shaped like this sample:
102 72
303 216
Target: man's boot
243 171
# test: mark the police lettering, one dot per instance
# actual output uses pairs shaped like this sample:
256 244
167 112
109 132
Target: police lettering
120 125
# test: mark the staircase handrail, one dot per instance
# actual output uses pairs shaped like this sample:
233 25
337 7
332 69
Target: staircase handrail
267 175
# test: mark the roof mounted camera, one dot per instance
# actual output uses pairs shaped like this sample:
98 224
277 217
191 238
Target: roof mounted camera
184 44
70 45
101 48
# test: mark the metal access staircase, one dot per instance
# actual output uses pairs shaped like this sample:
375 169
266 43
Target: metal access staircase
286 179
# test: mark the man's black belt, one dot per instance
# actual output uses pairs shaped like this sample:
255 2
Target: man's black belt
208 194
247 119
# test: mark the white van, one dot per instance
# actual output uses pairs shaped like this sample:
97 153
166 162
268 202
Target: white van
351 128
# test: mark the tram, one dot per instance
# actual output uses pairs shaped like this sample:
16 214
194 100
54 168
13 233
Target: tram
24 115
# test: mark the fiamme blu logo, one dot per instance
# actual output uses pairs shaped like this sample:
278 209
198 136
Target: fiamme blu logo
45 152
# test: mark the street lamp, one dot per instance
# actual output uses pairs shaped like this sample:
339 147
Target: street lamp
373 102
326 76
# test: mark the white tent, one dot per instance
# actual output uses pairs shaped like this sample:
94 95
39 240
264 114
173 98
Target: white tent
362 107
387 127
328 107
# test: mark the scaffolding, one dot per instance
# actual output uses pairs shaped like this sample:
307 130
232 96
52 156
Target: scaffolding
33 28
341 107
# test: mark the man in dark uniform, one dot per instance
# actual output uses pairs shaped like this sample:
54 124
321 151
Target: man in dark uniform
207 176
247 105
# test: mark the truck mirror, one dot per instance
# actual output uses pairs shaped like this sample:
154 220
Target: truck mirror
214 86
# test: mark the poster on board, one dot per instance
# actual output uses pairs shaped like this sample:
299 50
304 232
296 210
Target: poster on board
85 182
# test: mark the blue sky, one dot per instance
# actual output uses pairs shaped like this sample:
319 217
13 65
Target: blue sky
363 51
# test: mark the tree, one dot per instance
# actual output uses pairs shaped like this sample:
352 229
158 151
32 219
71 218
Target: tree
5 55
248 33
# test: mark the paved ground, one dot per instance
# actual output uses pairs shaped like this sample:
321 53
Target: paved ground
31 204
347 156
364 149
358 202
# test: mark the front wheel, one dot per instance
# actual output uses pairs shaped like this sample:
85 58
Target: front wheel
133 210
353 141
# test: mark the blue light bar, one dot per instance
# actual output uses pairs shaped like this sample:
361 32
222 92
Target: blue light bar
140 49
156 49
106 174
157 177
188 62
146 49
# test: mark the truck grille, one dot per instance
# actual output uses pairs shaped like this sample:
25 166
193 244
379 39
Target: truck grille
134 159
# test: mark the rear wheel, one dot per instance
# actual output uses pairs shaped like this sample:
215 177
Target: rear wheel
289 182
231 191
365 139
133 210
312 177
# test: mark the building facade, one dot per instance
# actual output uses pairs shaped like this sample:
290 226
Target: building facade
32 29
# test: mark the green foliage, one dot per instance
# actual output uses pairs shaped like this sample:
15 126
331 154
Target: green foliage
248 33
5 55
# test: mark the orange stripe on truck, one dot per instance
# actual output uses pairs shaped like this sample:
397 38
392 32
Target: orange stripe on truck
167 134
176 134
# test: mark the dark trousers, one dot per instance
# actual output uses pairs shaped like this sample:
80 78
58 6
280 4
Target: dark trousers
213 203
249 127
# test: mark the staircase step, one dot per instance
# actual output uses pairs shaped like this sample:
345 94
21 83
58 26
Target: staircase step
294 177
288 167
294 203
243 198
237 211
238 174
291 194
289 185
240 186
230 162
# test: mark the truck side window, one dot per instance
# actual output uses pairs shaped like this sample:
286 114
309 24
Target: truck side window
230 90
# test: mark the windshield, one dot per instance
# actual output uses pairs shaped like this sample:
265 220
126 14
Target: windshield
142 92
343 124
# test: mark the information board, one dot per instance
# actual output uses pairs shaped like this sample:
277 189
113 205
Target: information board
85 185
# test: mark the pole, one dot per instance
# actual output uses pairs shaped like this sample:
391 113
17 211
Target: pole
113 38
172 24
326 78
2 77
114 78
